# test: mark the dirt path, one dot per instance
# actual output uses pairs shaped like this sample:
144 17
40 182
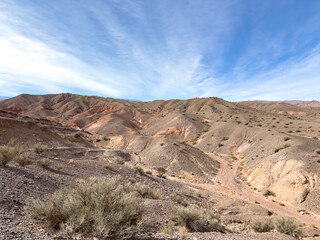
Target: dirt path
240 190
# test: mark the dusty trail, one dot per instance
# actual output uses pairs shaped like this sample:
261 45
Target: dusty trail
239 190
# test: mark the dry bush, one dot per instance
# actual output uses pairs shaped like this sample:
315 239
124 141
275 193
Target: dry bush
138 170
8 154
197 219
103 208
161 171
287 226
145 192
167 229
178 199
44 163
268 192
39 148
22 160
262 226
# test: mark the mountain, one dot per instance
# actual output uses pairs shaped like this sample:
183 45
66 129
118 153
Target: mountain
230 152
298 103
2 98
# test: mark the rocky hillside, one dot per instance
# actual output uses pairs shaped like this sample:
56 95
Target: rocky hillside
277 143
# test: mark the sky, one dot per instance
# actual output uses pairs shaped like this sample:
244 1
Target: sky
161 49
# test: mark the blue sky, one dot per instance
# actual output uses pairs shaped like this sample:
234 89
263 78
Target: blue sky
161 49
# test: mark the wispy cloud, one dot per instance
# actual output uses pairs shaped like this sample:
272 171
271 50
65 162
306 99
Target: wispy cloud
160 49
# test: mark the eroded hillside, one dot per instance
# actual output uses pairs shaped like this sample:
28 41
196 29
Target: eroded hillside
266 146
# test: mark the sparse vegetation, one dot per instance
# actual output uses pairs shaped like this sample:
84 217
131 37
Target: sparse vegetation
268 192
167 229
44 163
103 208
262 226
287 226
281 148
286 139
8 154
138 170
178 199
22 160
145 192
39 148
197 219
77 135
161 171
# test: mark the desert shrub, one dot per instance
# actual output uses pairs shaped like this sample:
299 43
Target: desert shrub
138 170
102 208
161 171
43 127
109 167
167 229
178 199
286 139
262 226
225 138
77 135
220 145
8 154
118 160
281 148
317 151
268 192
145 192
39 148
44 163
287 226
22 160
197 219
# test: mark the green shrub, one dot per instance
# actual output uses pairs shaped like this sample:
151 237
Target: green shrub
287 226
262 226
8 154
197 219
102 208
39 148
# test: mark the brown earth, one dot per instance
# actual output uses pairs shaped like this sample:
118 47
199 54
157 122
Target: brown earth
196 141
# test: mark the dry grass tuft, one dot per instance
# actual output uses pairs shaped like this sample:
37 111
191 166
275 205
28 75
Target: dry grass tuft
39 148
103 208
197 219
8 154
262 226
44 163
22 160
287 226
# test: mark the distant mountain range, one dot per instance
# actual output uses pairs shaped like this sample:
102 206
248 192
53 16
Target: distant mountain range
2 98
300 103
